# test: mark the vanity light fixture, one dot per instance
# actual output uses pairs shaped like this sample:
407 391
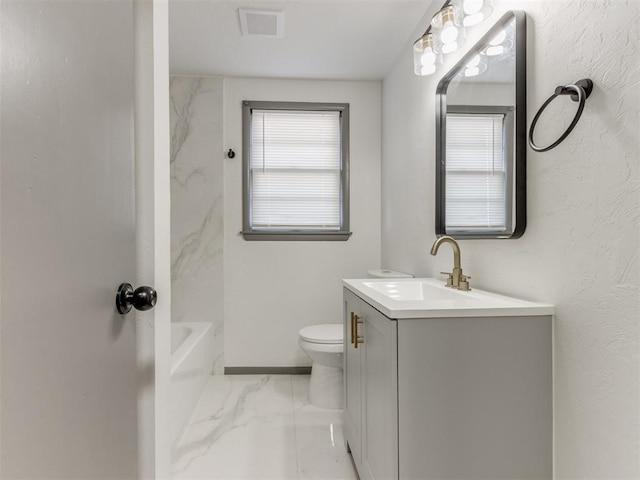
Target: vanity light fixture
445 33
476 11
494 50
424 55
474 67
447 21
498 44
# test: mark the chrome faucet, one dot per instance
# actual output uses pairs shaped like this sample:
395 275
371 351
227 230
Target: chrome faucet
456 279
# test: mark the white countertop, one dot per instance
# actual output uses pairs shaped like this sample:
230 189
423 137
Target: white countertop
429 298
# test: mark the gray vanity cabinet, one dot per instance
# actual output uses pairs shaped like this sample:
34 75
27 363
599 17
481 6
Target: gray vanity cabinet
371 401
448 398
352 382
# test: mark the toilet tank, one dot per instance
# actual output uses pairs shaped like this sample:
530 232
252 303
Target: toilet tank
384 273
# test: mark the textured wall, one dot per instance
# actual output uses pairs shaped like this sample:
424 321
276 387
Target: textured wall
197 162
581 247
273 289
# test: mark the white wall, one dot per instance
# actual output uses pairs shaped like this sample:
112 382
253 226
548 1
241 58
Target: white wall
580 250
272 289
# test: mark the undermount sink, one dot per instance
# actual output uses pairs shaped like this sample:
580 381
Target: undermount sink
430 298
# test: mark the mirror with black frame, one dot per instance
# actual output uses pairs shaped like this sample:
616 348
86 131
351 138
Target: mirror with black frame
481 137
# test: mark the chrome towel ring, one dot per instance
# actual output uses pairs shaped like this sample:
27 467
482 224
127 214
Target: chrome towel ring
579 92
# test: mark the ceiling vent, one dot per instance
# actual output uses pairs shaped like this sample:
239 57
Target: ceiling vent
261 23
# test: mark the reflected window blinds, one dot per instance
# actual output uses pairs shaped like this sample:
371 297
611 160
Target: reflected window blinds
476 176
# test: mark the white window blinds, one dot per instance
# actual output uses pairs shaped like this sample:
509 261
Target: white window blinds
476 177
295 170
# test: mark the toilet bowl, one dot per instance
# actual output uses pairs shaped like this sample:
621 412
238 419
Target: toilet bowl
324 344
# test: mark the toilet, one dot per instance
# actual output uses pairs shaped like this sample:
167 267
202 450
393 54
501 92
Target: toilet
324 344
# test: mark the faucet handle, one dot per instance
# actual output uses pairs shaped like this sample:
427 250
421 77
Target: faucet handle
449 278
464 283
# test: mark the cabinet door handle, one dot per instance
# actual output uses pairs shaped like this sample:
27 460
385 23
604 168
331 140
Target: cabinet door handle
353 328
356 339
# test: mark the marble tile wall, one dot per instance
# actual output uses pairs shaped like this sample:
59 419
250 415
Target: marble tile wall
197 205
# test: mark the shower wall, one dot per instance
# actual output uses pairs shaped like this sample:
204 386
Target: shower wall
197 158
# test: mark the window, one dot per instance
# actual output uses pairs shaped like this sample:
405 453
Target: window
295 171
478 179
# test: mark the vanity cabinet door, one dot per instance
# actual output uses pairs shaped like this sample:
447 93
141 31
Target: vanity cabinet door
475 398
379 371
352 381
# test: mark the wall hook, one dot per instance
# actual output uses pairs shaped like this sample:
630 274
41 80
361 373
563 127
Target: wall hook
579 92
231 153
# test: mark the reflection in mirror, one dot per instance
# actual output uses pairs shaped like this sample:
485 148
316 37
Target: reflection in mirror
481 137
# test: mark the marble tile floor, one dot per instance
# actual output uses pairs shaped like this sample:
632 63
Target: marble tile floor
261 427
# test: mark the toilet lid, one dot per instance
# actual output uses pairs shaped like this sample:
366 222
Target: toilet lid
328 333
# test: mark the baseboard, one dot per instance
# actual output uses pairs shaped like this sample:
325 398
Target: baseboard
267 370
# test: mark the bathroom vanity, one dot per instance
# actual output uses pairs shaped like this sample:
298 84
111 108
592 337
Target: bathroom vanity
445 384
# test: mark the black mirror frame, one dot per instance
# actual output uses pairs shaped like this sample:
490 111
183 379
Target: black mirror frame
520 134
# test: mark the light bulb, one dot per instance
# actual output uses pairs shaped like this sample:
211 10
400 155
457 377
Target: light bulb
449 32
471 72
499 38
474 19
472 6
427 69
428 57
494 50
449 47
473 62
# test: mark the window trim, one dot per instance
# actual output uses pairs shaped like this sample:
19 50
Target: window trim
250 233
508 151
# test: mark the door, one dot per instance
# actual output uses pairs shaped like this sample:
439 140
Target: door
68 359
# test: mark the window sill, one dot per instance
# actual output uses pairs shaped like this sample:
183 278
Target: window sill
296 236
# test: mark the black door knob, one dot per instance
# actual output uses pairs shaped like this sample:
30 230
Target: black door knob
142 298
